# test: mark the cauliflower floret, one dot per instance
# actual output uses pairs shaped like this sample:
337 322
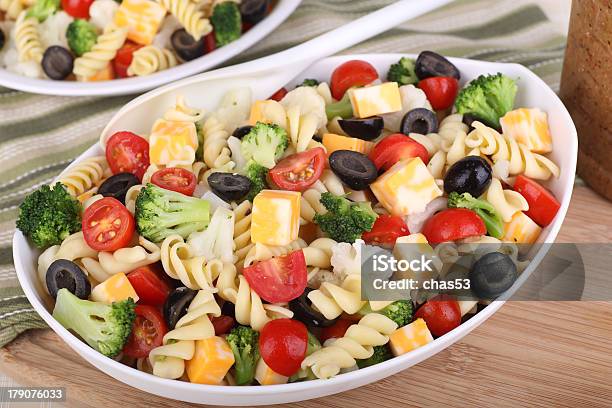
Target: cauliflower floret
346 258
102 13
412 98
234 108
309 102
53 29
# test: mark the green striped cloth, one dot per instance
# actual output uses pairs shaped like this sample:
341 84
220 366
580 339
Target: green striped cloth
40 135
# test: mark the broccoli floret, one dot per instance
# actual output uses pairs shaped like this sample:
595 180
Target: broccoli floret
492 220
104 327
488 98
399 311
381 353
265 144
160 213
345 221
49 215
309 82
43 9
257 174
81 36
403 72
244 343
342 108
227 22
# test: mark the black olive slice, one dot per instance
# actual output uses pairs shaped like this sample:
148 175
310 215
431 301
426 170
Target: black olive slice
229 186
63 273
304 312
117 186
365 129
353 168
186 46
431 64
419 120
57 62
176 305
492 275
253 11
472 174
242 131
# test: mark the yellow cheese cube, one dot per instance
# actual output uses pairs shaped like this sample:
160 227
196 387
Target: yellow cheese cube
410 337
268 111
172 142
256 113
114 289
406 188
142 17
333 142
266 376
275 217
211 361
521 229
376 99
529 127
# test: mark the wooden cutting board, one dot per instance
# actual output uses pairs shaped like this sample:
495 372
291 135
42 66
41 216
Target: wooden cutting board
528 354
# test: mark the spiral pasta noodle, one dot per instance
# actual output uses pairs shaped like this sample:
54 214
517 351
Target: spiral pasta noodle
332 299
217 155
318 261
27 39
506 202
193 271
181 112
86 175
189 15
102 52
242 230
12 8
150 59
261 252
310 203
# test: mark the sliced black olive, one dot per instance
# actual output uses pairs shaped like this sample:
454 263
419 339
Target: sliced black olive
419 120
186 46
431 64
492 275
303 311
176 305
2 39
242 131
353 168
365 129
117 186
228 309
229 186
63 273
253 11
57 62
472 174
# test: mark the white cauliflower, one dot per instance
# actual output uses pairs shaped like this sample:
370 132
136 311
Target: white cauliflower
412 98
234 108
309 101
102 13
53 29
346 258
217 241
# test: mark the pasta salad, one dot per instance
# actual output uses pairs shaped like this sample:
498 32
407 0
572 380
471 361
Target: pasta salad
225 247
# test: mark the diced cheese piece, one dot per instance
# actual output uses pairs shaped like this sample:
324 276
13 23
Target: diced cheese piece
211 361
266 376
410 337
333 142
529 127
114 289
172 142
406 188
376 99
521 229
467 306
105 74
268 111
142 17
256 113
275 217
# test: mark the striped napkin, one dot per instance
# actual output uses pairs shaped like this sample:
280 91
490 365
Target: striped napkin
40 135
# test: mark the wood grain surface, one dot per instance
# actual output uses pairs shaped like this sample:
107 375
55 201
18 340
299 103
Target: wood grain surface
528 354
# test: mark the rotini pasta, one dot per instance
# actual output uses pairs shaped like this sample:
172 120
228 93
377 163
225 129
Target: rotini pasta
102 52
242 230
506 202
27 39
216 153
261 252
12 8
181 112
189 15
85 176
150 59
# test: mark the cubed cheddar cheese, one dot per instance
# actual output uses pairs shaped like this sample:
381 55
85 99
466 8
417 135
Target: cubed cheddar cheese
266 376
521 229
406 188
105 74
211 361
114 289
529 127
142 17
275 217
410 337
333 142
268 111
172 141
376 99
256 114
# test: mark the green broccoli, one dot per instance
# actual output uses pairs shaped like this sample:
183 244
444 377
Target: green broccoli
381 353
244 343
257 174
403 72
345 221
227 22
492 220
81 36
160 213
399 311
104 327
265 144
488 98
43 9
342 108
309 82
49 215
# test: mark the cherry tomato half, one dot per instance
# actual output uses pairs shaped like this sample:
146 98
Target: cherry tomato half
148 332
336 330
127 152
123 59
453 224
394 148
176 179
442 314
150 288
279 95
441 91
278 279
107 225
349 74
299 171
210 43
77 8
283 344
543 206
386 230
222 324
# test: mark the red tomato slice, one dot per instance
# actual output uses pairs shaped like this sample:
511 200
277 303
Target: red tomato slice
453 224
442 314
77 8
335 331
222 324
107 225
148 332
176 179
149 287
349 74
441 91
543 206
127 152
210 44
278 95
283 344
123 59
299 171
386 230
279 279
394 148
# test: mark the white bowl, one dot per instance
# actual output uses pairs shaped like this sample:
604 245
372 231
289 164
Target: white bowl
139 114
280 13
